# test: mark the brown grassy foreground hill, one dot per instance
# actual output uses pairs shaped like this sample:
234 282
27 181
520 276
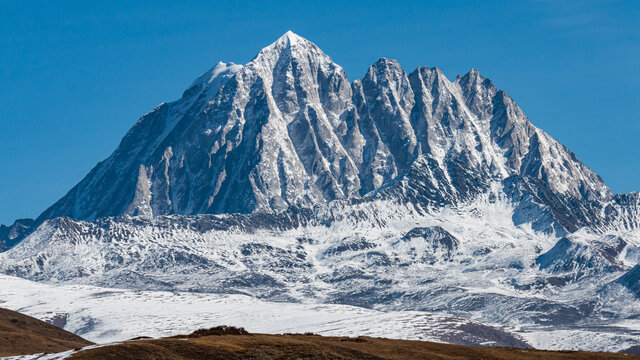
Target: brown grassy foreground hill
232 344
21 334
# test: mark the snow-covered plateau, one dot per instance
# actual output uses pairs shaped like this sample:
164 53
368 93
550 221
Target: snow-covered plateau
282 197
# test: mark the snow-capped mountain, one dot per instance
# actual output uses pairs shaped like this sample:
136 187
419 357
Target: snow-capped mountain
288 129
282 179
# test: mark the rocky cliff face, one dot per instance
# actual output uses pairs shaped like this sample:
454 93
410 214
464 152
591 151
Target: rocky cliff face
12 234
289 129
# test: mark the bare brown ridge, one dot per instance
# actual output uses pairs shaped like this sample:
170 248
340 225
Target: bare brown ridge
22 335
229 343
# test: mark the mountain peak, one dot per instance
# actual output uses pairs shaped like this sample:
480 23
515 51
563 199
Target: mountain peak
474 79
292 45
287 40
386 62
292 37
473 76
212 79
384 68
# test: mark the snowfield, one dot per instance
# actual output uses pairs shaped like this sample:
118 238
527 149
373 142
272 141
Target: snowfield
106 315
409 275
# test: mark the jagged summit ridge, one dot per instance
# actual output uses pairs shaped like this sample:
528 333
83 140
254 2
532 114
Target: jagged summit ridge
289 129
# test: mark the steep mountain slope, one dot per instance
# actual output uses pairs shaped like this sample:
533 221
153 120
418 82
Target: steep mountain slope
120 185
288 129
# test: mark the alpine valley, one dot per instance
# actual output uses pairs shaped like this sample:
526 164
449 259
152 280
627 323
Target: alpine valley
398 205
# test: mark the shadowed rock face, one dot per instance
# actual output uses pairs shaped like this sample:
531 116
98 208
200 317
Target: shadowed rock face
437 242
289 129
10 235
579 260
631 280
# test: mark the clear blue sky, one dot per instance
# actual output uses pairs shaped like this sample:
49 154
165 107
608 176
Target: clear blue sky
75 76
